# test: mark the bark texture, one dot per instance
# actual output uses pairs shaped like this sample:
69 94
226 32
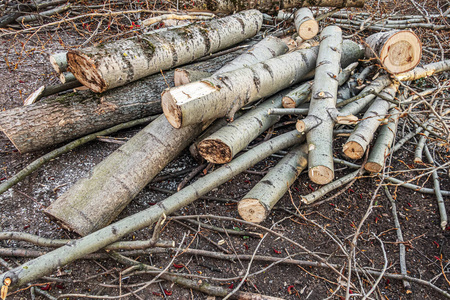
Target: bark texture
267 48
64 118
49 262
114 64
229 6
257 203
323 98
357 143
425 71
95 201
382 146
307 27
59 62
398 51
226 93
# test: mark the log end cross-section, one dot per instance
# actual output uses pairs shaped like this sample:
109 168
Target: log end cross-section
215 151
252 210
398 51
85 70
353 150
321 174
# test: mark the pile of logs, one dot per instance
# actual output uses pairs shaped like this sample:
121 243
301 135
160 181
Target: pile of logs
315 83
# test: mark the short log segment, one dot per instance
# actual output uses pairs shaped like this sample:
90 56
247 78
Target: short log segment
114 64
257 203
382 146
224 94
59 62
267 48
357 143
398 51
49 262
323 98
307 27
271 6
95 201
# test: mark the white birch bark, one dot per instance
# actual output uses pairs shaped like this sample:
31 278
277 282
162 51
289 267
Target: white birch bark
117 63
224 94
427 70
357 143
323 98
307 27
257 203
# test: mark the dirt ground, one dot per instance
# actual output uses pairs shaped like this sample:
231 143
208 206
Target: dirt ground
327 229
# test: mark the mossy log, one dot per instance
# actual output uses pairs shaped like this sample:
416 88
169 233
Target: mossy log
397 50
359 140
95 201
270 6
50 262
257 203
226 93
117 63
323 98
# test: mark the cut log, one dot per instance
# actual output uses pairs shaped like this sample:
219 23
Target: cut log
47 123
117 63
66 77
185 76
95 201
382 146
226 93
267 48
307 27
270 6
398 51
59 62
256 204
357 143
323 98
49 262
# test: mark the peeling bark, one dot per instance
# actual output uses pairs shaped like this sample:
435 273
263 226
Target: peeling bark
117 63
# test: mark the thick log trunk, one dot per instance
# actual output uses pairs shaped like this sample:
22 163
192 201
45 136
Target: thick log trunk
229 6
267 48
257 203
307 27
382 146
94 202
226 93
49 262
323 98
114 64
70 116
397 51
357 143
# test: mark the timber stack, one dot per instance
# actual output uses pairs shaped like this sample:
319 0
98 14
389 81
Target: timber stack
220 112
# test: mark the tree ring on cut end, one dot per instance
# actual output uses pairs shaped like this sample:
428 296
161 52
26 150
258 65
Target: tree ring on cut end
252 210
401 52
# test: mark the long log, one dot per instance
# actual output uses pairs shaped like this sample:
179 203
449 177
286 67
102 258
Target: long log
398 51
49 262
117 63
70 116
323 99
229 6
226 93
267 48
359 140
95 201
257 203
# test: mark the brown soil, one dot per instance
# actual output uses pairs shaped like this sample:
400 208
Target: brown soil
24 67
